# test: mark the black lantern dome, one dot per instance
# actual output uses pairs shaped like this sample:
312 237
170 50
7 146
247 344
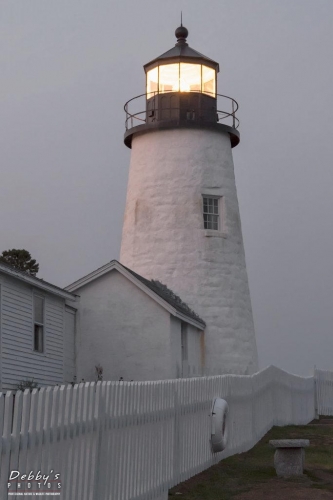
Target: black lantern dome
181 91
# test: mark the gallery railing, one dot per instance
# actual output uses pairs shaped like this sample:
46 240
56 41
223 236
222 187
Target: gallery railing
136 109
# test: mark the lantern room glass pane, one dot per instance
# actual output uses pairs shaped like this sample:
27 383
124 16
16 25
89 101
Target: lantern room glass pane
208 81
190 77
169 78
152 82
181 77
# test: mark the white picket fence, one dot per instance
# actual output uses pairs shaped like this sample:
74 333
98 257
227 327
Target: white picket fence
135 440
324 392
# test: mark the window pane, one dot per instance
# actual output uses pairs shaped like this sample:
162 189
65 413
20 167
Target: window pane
169 78
39 309
152 82
211 213
190 77
208 81
38 339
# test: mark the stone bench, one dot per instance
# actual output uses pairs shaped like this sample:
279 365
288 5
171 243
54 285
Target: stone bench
289 456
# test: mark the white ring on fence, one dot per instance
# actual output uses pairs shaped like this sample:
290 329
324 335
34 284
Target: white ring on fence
219 437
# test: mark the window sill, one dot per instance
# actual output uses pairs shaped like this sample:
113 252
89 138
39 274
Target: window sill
214 233
39 353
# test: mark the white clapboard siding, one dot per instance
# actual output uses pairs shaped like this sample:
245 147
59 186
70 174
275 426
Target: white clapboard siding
135 440
69 345
18 359
324 392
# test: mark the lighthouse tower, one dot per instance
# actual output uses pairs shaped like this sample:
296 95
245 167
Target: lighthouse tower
182 224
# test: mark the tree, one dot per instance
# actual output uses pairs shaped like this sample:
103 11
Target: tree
21 260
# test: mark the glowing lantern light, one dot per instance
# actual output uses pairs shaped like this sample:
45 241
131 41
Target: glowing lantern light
181 77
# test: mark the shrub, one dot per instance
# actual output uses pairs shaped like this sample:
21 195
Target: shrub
27 384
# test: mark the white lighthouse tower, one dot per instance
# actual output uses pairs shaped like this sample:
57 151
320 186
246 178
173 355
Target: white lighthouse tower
182 224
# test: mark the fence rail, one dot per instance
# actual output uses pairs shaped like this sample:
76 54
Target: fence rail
135 440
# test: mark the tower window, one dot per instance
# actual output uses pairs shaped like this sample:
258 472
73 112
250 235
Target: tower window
211 212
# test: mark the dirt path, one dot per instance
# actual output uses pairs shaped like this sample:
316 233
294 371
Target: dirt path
280 490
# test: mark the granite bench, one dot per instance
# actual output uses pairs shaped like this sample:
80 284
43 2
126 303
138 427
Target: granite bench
289 456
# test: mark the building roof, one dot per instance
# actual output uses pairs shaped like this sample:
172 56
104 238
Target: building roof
161 293
36 282
182 52
168 295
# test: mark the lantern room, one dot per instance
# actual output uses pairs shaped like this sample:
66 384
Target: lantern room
181 84
181 91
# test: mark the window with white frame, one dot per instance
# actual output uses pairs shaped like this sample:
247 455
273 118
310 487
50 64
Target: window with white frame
211 212
38 324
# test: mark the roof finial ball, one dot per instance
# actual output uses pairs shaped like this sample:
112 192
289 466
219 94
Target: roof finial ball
181 35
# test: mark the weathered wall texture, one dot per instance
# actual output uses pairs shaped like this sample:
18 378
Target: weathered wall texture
164 238
125 331
122 329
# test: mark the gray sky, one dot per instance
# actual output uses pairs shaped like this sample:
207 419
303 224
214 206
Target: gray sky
66 69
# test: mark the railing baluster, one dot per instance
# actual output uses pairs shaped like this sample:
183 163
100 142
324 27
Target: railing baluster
233 113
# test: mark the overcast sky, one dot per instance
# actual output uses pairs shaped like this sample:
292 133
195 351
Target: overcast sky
66 69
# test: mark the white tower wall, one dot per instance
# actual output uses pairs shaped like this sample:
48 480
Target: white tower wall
164 236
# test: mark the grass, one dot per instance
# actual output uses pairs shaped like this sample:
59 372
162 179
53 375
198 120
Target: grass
245 471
